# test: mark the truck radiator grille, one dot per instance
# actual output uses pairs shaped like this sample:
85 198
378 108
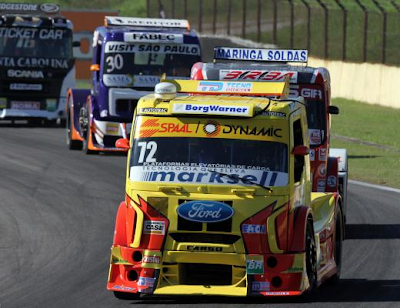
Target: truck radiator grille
205 238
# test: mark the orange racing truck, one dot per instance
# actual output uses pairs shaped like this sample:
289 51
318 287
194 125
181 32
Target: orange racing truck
218 196
329 168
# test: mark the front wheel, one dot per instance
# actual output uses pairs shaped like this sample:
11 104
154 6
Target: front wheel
311 257
338 246
72 144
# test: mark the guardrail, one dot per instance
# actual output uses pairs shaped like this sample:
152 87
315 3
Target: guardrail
347 30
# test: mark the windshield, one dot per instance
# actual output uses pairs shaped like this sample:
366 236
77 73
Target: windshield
193 160
35 42
127 65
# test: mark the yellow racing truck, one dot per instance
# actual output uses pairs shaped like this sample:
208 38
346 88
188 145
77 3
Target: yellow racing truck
218 196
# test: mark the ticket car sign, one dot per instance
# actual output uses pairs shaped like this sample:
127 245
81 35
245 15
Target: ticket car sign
258 54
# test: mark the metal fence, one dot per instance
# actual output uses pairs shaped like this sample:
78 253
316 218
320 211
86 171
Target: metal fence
348 30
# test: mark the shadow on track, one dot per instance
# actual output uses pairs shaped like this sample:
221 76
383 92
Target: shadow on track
372 232
347 290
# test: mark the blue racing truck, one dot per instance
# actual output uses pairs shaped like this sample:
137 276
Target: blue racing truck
129 57
36 62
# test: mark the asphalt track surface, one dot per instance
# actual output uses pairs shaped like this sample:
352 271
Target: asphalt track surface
57 212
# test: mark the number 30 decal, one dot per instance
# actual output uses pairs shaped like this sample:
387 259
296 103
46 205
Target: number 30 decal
114 62
151 148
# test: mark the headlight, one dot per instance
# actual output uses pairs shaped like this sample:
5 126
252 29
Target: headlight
3 102
160 204
51 104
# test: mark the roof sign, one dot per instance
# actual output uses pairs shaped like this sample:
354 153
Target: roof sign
28 8
152 37
279 89
263 55
214 109
147 22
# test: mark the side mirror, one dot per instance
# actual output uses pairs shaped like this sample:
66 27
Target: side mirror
300 150
122 143
95 68
76 44
333 110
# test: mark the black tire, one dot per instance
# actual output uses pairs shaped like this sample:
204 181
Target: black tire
85 128
311 257
72 144
338 248
126 295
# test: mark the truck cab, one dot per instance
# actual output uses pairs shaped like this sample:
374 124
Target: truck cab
328 166
218 196
36 62
129 56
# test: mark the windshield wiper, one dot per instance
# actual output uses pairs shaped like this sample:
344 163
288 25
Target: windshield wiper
236 177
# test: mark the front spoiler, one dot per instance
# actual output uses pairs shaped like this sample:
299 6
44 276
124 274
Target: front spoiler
24 114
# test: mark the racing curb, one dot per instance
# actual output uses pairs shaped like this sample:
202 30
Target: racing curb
380 187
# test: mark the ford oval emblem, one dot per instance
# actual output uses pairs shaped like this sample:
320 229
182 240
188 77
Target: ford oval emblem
205 211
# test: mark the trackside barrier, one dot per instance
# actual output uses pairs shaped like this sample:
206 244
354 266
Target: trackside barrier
366 82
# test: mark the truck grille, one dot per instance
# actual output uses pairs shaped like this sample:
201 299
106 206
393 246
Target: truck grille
205 238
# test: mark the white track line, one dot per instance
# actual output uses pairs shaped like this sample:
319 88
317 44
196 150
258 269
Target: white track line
380 187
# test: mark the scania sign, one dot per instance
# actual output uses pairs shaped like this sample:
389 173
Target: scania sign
205 211
25 74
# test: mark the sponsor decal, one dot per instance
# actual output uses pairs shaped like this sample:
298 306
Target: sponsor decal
218 86
123 288
147 22
153 37
321 185
26 87
146 282
145 80
154 227
184 49
260 286
312 155
150 127
117 80
254 54
34 62
258 75
151 259
274 114
254 229
211 109
313 93
25 105
322 154
27 33
49 8
321 170
204 248
212 128
25 74
315 136
205 211
332 182
152 172
247 130
255 265
278 293
153 110
18 7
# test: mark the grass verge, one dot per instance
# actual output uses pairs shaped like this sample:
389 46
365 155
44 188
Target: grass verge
375 154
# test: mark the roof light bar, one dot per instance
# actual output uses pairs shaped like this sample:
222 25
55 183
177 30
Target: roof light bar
261 55
147 22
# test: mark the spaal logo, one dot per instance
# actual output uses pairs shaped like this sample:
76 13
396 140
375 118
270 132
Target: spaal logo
49 8
205 211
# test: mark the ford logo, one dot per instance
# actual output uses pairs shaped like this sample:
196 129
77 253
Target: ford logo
205 211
